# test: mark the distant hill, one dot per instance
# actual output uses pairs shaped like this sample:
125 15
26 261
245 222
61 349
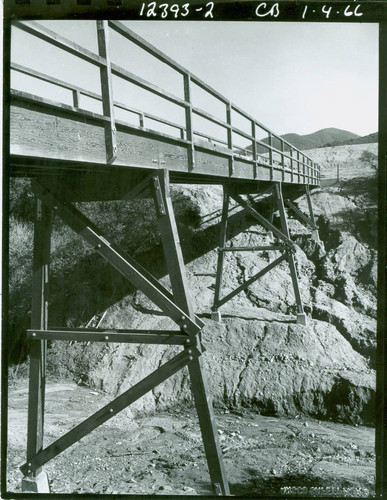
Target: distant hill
317 139
367 139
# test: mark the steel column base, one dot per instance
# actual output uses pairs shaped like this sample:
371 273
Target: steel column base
302 319
216 316
36 484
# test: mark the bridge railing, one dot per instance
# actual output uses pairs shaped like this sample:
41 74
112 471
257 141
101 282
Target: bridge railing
272 150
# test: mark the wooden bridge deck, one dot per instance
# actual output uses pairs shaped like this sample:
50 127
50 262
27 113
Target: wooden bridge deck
50 137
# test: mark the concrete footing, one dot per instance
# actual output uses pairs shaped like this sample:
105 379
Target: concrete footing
302 319
315 236
36 484
216 316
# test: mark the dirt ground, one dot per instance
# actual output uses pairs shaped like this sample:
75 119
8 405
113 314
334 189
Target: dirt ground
163 453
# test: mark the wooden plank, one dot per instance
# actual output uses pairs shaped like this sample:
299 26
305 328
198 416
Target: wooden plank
59 41
209 117
132 78
120 28
38 132
171 244
200 83
39 318
93 95
279 234
208 427
176 269
49 79
301 215
163 337
110 410
229 137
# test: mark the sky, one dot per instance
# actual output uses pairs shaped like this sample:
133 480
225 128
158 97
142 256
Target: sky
292 77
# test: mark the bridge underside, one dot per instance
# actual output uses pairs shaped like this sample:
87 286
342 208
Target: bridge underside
54 194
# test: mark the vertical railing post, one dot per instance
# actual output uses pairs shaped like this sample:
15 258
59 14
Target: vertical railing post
254 149
299 168
107 91
271 154
291 162
229 138
76 97
188 122
141 119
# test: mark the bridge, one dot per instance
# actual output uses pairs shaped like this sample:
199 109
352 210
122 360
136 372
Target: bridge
73 153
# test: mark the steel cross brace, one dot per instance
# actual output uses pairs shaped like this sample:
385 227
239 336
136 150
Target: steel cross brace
283 235
308 221
125 264
176 305
110 410
305 219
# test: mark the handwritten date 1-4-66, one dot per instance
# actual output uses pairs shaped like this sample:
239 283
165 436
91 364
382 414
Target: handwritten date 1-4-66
264 9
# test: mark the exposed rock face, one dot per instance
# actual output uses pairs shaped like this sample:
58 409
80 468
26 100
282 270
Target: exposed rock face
270 364
257 357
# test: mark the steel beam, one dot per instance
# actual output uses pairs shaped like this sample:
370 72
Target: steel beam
175 264
164 337
304 218
37 377
126 265
222 244
301 317
250 281
110 410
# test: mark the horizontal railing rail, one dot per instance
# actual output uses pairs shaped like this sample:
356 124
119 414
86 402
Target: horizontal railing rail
258 151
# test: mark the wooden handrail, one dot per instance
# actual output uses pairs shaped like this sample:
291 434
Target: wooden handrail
59 41
309 169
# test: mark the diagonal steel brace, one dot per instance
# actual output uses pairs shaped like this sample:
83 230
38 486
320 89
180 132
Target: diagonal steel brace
110 410
125 264
307 220
249 282
288 242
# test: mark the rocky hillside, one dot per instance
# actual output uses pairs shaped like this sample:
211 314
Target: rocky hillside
321 138
257 357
